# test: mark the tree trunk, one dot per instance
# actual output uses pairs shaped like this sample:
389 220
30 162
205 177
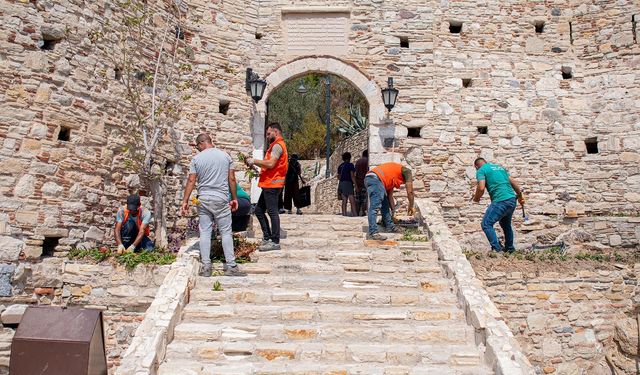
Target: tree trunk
157 193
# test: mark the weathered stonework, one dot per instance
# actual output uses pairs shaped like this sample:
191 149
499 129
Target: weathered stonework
122 295
537 120
503 353
325 190
147 349
568 322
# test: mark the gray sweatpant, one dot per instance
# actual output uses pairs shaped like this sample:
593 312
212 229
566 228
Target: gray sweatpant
213 208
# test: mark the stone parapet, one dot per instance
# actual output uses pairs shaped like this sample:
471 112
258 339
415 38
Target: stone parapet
147 349
503 352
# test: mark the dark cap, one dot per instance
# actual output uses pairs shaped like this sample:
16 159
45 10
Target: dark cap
133 202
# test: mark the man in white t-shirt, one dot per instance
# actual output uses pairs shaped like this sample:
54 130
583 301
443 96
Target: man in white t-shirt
213 170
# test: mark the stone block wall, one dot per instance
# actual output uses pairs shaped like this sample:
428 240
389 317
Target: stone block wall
354 144
539 95
122 295
71 187
568 322
325 190
613 231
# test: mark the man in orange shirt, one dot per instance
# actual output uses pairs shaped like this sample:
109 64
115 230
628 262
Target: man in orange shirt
272 178
380 182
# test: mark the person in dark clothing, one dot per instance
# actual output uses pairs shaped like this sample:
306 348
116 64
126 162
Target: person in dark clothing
362 167
347 180
240 217
291 186
281 209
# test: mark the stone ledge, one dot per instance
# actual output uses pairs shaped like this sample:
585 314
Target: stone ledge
315 9
503 354
148 346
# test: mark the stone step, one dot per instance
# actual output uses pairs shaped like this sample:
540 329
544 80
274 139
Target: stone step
397 281
436 315
334 268
258 352
184 367
365 253
329 302
331 241
320 219
347 297
324 233
326 332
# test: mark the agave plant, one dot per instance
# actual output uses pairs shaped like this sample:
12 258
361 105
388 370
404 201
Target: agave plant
355 124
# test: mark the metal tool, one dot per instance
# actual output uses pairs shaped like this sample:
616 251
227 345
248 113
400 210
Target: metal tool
524 215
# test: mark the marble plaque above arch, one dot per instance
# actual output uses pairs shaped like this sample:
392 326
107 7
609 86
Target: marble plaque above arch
316 31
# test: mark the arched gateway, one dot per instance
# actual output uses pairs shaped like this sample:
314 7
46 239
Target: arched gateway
322 64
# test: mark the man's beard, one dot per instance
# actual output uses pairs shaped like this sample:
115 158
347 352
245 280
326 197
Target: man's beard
271 139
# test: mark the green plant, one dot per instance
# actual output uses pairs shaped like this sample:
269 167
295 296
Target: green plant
217 287
96 255
356 123
153 64
129 260
250 172
413 235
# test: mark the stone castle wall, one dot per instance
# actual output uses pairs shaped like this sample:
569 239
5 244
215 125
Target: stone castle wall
325 191
122 295
568 322
498 73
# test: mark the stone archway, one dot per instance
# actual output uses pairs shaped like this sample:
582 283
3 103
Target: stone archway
324 64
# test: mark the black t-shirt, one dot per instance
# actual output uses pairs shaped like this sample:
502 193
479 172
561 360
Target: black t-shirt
344 170
294 170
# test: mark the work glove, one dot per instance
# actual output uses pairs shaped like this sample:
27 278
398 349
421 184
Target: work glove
131 249
121 249
411 211
521 200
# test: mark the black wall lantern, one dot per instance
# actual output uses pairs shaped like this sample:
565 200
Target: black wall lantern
254 85
389 95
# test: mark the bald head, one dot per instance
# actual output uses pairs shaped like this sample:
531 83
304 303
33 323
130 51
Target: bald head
203 138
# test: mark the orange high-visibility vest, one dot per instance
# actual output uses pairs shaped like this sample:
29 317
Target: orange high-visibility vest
147 230
275 177
390 174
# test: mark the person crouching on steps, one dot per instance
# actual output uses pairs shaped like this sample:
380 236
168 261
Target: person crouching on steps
213 170
272 178
132 227
380 182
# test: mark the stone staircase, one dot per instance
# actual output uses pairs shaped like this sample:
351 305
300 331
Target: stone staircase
327 303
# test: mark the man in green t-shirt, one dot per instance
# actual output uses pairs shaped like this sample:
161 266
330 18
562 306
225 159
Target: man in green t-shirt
503 190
